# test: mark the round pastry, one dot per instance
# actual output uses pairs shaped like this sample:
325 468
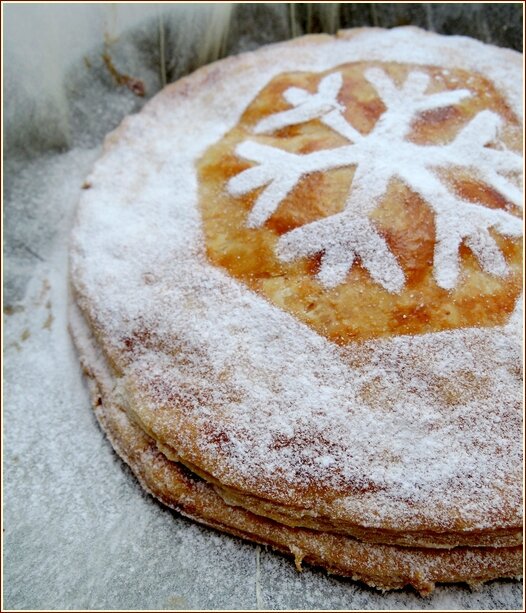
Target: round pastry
297 278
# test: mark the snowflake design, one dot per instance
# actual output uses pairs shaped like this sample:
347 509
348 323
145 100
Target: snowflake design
378 156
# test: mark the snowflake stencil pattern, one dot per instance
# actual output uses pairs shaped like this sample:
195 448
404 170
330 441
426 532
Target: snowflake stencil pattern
379 156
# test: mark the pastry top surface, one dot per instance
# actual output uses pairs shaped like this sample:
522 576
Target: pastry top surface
370 169
224 316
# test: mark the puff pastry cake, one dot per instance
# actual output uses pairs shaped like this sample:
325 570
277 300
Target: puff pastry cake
296 281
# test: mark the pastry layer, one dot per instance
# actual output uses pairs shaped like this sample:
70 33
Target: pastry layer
382 566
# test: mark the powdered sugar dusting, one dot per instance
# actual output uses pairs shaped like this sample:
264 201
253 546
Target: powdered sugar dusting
378 156
264 395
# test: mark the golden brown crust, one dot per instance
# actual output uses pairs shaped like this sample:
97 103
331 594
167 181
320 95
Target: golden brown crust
359 308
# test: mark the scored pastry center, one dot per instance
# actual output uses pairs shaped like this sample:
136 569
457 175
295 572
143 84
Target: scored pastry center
374 199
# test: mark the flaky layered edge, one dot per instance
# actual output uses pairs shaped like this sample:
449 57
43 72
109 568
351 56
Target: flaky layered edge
385 567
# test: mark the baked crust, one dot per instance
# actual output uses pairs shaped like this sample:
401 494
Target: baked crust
359 308
384 567
408 437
